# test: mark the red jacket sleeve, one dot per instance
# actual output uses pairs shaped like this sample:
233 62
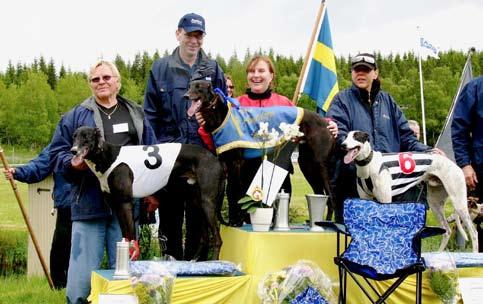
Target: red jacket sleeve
207 139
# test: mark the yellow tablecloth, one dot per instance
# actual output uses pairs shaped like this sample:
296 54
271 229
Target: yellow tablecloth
263 252
259 253
187 290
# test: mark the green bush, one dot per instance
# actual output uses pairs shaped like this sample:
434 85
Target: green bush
13 252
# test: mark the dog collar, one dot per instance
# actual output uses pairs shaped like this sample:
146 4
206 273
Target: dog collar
365 161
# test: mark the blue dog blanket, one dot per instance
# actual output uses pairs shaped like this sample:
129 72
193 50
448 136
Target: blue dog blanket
240 125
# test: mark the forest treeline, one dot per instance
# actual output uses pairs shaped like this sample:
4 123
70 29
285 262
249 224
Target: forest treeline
34 96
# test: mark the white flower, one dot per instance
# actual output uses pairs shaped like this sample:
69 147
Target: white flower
290 131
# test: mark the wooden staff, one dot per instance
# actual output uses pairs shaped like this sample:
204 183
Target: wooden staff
27 221
296 94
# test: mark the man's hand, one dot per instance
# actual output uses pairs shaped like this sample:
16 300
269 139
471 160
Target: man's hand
470 177
134 250
199 118
9 173
78 163
438 151
151 203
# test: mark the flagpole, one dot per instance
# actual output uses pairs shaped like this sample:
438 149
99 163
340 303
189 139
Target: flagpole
308 53
422 91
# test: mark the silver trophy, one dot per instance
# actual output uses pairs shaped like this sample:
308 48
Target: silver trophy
316 205
122 260
281 219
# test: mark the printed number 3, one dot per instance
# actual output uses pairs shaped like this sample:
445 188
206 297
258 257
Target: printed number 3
407 163
154 153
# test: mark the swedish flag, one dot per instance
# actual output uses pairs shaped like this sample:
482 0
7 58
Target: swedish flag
321 83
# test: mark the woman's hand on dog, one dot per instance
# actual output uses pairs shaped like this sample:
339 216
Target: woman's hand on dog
470 177
9 173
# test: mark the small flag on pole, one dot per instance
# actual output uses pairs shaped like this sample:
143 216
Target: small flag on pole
321 81
428 48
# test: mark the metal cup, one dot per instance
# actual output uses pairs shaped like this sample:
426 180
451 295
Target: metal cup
281 219
122 260
316 205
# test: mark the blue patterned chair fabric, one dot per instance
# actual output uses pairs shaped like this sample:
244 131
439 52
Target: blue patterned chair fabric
382 234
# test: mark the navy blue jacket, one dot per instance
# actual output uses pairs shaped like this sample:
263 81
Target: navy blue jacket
87 196
164 103
40 168
467 125
385 123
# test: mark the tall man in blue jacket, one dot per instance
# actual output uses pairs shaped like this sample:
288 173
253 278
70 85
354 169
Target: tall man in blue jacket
172 118
35 171
467 137
367 108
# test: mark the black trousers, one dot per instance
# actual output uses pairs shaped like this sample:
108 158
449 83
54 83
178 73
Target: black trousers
479 192
60 250
176 204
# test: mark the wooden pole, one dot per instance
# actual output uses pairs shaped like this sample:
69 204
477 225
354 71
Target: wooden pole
27 221
307 54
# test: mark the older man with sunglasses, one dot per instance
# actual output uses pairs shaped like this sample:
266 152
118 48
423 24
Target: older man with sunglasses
366 107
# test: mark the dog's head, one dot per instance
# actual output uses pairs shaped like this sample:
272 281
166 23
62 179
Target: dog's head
357 146
200 92
87 141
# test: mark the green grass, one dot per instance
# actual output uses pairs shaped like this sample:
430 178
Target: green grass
21 289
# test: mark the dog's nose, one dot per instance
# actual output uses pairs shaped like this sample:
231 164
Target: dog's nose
344 146
187 94
73 150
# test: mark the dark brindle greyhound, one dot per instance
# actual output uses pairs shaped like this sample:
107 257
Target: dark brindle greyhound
138 171
315 148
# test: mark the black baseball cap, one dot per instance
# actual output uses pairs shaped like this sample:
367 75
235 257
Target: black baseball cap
364 59
192 22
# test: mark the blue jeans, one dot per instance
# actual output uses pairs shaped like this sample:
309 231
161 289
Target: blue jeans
89 238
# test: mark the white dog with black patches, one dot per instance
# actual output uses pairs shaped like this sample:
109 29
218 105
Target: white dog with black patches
381 176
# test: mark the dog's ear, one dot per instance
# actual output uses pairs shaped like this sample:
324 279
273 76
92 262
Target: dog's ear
361 136
97 133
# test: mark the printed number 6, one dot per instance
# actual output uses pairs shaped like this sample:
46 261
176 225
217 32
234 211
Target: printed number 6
407 163
155 154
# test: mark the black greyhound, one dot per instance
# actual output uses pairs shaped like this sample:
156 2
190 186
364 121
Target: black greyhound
124 176
315 148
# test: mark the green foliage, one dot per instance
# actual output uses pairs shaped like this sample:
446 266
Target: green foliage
13 252
398 73
70 91
443 285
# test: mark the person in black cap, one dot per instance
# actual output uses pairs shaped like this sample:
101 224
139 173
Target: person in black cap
367 108
172 117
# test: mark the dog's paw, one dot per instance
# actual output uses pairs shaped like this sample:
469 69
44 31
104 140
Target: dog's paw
134 250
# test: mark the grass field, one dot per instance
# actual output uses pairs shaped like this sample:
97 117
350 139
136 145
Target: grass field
20 289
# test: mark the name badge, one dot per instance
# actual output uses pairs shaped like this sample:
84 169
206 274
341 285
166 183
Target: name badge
120 128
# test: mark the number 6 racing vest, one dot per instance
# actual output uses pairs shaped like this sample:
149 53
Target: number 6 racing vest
406 169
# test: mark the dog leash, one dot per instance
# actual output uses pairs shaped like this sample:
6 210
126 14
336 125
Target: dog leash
227 99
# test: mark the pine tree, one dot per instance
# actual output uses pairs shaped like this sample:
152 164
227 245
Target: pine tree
51 75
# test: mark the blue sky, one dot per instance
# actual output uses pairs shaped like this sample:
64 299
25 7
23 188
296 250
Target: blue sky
78 33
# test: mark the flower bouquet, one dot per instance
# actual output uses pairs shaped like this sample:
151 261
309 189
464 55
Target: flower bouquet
261 192
443 277
154 286
303 282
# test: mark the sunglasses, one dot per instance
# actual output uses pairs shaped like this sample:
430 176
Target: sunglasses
363 58
231 87
106 78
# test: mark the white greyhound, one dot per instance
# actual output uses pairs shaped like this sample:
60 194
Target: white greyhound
381 176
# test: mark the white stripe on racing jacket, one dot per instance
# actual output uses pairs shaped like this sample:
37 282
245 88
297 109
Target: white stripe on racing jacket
151 167
406 169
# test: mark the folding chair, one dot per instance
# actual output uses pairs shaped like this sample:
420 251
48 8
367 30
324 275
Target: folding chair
385 244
